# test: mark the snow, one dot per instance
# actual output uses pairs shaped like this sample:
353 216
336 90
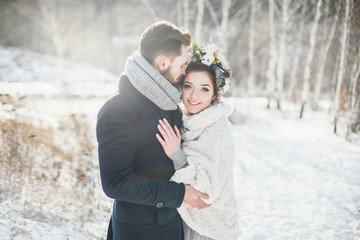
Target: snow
59 101
294 178
15 225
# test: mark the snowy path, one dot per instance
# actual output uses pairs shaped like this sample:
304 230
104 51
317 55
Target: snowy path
296 180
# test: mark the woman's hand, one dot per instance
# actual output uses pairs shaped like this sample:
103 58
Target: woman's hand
170 140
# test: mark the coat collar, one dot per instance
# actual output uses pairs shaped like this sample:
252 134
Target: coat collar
142 104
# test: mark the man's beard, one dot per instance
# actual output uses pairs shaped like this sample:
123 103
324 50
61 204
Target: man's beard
168 76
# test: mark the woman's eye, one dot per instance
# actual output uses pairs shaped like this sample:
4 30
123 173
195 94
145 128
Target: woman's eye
205 89
187 86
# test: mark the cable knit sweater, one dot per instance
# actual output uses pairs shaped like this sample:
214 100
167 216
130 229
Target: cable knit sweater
209 148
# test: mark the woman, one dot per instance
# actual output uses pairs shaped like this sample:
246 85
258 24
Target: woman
205 159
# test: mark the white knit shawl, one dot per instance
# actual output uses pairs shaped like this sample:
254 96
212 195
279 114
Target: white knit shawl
209 148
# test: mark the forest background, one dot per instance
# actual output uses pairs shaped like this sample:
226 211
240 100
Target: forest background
301 51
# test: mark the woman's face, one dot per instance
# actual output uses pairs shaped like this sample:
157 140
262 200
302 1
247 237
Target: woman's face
197 91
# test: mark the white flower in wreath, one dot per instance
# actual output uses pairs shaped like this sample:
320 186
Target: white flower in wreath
207 59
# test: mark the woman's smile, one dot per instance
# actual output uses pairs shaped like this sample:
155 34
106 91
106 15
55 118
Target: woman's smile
193 103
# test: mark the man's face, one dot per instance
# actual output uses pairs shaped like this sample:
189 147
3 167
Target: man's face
177 67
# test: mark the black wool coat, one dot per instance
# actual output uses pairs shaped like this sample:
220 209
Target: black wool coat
134 168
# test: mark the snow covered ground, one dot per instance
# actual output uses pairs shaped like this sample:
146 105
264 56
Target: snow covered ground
294 178
55 192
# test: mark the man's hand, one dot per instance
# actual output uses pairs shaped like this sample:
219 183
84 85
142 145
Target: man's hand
193 197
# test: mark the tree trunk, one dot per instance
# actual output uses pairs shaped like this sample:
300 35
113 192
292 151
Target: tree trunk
323 57
302 110
310 56
212 14
251 74
270 73
282 52
226 4
295 63
179 13
50 14
334 77
354 121
342 58
354 79
186 14
199 20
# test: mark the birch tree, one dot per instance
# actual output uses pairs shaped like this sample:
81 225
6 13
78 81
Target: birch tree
342 56
199 19
62 24
335 74
282 52
341 72
354 114
54 20
223 25
309 59
324 52
179 12
226 4
251 74
354 96
186 14
354 121
213 14
299 46
270 73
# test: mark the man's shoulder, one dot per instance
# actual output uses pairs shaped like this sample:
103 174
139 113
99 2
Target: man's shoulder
116 106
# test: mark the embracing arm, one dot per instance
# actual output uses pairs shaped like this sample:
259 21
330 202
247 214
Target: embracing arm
210 162
117 147
171 144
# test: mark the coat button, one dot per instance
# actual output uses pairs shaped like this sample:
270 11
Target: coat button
159 204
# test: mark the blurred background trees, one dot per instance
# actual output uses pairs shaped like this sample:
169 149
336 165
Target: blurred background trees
306 52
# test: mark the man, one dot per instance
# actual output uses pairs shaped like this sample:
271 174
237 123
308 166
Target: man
134 169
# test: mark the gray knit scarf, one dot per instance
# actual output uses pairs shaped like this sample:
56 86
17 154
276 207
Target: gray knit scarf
149 82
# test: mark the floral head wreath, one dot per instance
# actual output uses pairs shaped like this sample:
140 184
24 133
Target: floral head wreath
208 55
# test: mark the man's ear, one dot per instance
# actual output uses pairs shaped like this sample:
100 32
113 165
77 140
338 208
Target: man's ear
162 62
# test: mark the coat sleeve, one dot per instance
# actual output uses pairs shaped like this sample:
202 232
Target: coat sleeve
116 148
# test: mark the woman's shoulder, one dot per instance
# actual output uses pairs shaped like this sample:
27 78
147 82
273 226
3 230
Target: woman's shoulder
221 107
220 111
221 127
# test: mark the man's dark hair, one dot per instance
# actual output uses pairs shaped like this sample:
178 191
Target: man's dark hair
163 37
